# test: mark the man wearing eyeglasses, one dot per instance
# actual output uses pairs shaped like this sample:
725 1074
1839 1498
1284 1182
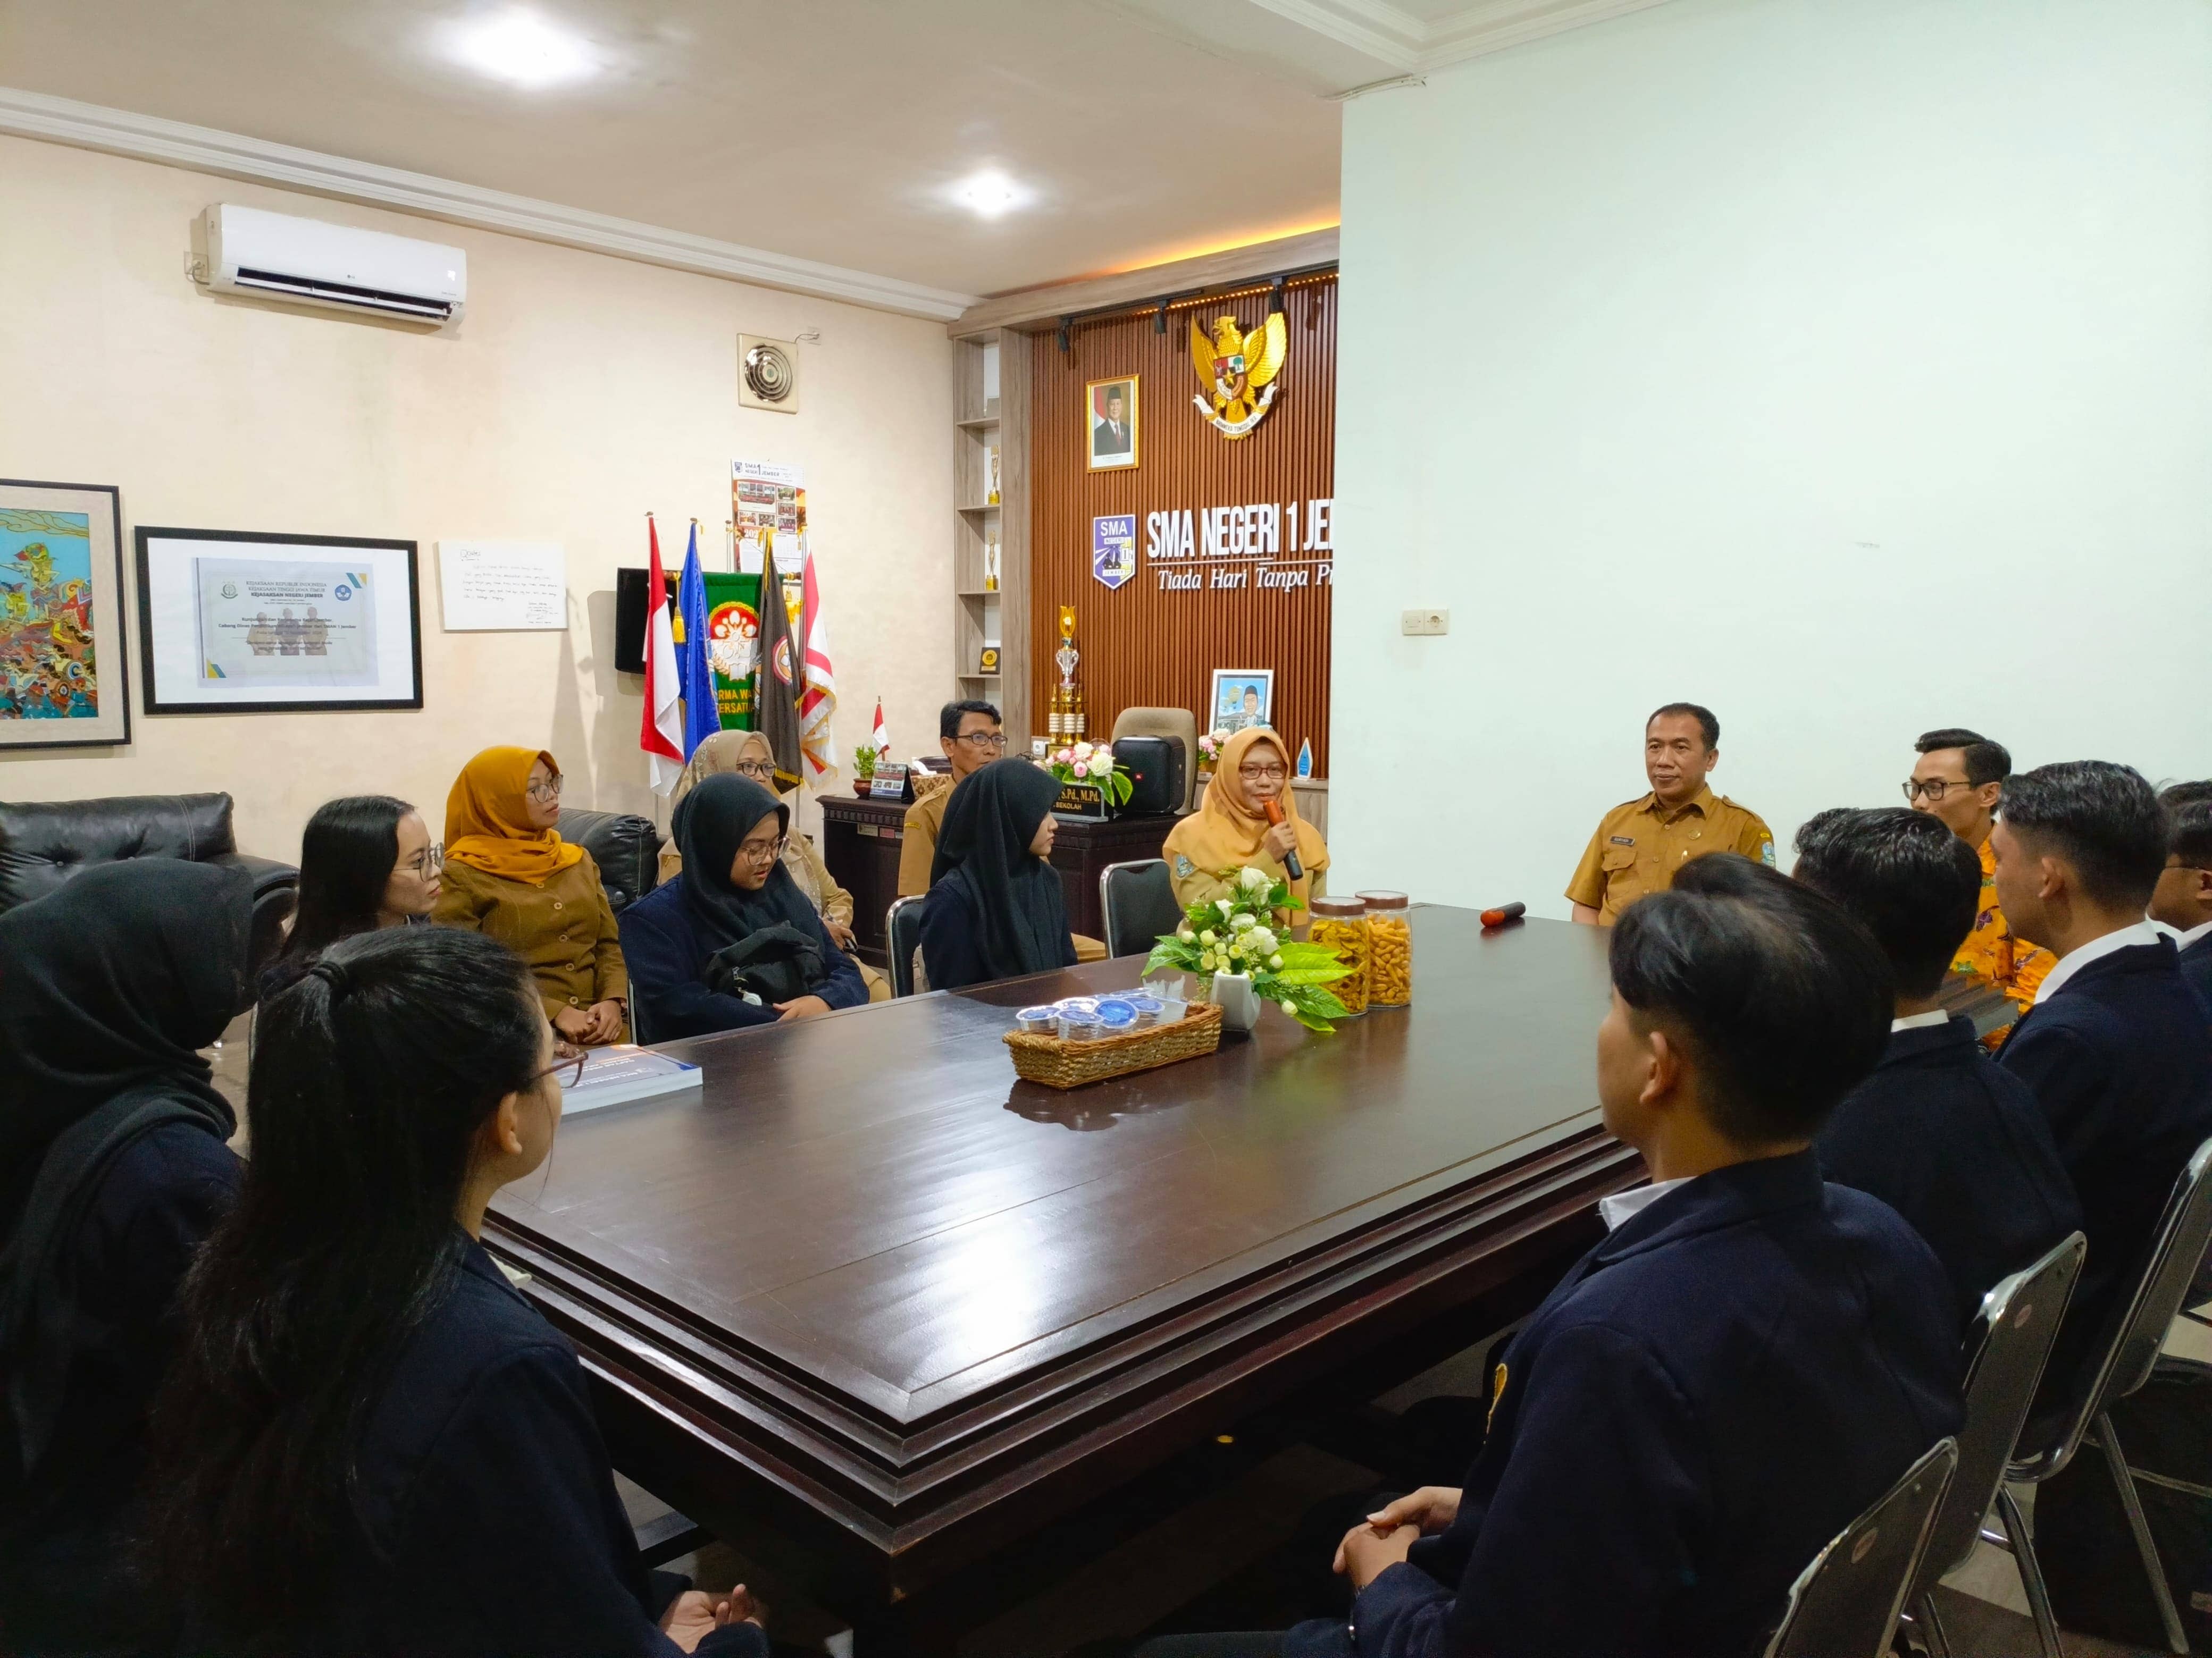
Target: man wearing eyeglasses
970 735
1959 778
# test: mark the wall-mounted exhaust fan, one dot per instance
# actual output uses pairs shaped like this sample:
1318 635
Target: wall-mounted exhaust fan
768 374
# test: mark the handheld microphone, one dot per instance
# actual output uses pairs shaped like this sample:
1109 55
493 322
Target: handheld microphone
1274 811
1504 913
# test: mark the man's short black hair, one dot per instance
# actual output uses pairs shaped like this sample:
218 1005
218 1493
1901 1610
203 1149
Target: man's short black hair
1782 999
2102 818
2189 823
1706 723
1904 876
950 716
1985 762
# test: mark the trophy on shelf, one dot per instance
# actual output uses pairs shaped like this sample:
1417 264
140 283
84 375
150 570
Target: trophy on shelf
991 562
1065 720
992 499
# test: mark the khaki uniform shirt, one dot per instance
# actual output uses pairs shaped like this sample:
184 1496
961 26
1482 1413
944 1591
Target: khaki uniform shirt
564 930
918 849
1638 848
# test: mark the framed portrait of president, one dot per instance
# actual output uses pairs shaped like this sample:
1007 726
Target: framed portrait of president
1109 424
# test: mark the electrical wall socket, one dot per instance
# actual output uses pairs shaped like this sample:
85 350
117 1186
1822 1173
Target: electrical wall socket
1425 621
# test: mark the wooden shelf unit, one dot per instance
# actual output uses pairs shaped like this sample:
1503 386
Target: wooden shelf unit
983 421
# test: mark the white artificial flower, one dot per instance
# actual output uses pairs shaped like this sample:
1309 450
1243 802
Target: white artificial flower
1274 963
1082 750
1255 880
1243 920
1290 1007
1206 938
1260 939
1184 932
1223 905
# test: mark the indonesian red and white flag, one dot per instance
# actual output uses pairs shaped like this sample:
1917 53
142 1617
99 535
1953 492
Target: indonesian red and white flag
661 736
880 736
818 701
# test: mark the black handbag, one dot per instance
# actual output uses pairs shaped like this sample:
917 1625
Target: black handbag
778 963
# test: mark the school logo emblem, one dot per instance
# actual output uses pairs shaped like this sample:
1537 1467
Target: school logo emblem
1114 549
1237 371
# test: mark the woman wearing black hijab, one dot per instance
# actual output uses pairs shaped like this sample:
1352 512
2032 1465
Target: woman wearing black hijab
112 1171
732 941
995 909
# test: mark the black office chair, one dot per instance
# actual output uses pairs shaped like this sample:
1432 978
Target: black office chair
2018 1320
1844 1604
1139 904
2177 1247
902 937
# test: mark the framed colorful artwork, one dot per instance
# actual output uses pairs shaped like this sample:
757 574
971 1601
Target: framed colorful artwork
237 622
64 667
1110 423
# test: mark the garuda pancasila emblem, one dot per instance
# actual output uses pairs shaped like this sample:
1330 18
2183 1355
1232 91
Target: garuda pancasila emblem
1238 371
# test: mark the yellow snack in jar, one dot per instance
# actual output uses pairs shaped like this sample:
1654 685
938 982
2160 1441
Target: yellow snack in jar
1390 950
1343 929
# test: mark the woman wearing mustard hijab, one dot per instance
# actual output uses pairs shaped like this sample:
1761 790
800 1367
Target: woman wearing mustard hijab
1230 829
510 876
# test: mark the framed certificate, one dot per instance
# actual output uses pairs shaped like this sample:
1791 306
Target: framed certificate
239 622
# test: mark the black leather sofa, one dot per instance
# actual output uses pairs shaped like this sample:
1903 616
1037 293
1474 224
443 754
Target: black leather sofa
625 846
43 842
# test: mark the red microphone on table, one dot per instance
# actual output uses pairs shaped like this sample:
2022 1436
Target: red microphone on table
1504 913
1274 811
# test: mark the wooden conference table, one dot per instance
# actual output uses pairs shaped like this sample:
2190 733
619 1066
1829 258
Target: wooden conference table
869 1302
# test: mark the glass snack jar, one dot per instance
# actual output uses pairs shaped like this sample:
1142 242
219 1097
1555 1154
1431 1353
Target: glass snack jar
1341 924
1390 949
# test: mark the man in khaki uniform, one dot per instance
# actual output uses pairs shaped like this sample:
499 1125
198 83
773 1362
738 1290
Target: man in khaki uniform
968 733
1640 844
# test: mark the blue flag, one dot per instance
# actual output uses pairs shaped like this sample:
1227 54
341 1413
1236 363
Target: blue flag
695 671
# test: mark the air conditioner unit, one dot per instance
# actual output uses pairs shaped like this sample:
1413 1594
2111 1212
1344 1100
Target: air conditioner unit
309 262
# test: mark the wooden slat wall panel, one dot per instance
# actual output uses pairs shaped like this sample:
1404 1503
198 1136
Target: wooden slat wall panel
1142 645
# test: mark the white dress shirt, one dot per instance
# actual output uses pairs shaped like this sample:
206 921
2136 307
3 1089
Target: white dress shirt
1615 1210
2142 932
1928 1021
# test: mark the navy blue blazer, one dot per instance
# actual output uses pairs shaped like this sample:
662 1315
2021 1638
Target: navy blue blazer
949 953
64 1579
1714 1392
2196 965
489 1516
668 962
1956 1145
2120 1059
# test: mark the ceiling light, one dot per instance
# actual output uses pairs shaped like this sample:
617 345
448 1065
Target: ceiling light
990 194
520 48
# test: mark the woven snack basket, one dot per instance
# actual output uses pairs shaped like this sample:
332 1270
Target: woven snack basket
1058 1063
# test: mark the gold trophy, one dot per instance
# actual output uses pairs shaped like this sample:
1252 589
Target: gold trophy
1066 719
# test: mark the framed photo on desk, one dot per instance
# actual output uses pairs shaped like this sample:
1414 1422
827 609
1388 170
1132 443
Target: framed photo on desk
1242 697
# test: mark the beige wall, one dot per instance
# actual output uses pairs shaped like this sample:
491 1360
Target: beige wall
578 392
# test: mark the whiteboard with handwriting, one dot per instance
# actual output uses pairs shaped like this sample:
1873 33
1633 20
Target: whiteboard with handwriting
503 585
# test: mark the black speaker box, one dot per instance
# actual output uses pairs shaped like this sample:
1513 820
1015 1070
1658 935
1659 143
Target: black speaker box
629 617
1155 765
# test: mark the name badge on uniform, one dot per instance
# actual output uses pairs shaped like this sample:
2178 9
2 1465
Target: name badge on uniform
1766 853
1629 840
1185 869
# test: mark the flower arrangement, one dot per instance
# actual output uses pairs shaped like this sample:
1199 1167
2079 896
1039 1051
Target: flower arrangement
1209 746
1093 763
864 762
1236 934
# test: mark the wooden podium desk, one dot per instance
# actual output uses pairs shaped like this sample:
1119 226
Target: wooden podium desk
869 1301
861 840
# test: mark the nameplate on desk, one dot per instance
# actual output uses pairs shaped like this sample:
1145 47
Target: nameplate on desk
1080 800
889 782
881 831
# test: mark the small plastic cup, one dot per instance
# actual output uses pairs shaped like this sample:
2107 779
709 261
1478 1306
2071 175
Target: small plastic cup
1081 1028
1037 1021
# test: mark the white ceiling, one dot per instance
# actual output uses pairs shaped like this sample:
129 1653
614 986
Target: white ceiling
830 131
